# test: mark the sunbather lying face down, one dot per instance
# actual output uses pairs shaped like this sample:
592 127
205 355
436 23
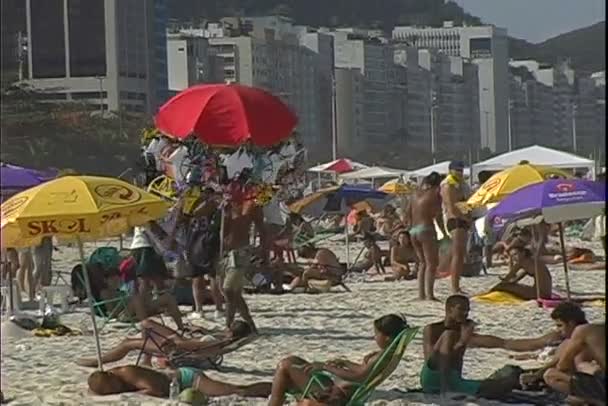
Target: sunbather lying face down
164 340
131 378
293 373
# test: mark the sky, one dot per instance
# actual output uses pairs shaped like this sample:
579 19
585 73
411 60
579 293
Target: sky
537 20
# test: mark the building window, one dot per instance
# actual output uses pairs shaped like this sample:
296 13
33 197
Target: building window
86 21
89 95
47 39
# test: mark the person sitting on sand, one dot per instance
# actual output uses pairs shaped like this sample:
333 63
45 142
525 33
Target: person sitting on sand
293 373
583 385
402 253
522 260
324 266
163 339
567 316
445 343
106 287
387 221
372 258
132 378
364 224
518 238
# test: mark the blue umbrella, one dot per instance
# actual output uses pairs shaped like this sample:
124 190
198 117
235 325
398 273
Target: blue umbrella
337 199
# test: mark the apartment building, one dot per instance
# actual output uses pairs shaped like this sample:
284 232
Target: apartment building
543 97
190 61
442 101
107 52
370 91
485 46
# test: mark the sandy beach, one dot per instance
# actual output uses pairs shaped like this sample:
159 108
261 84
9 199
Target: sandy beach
41 371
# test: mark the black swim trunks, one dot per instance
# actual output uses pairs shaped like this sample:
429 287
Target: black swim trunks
587 386
454 223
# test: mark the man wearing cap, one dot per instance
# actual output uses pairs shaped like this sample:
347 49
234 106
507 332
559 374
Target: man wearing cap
455 191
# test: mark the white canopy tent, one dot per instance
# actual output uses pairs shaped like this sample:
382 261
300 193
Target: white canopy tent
441 168
535 155
374 172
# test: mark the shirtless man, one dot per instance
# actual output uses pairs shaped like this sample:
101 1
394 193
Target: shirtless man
522 260
423 211
585 384
387 221
324 266
402 253
239 215
567 317
445 344
454 190
131 378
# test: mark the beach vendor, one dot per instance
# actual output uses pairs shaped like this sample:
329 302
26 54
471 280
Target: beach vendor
293 373
454 190
165 339
423 211
240 214
146 381
445 343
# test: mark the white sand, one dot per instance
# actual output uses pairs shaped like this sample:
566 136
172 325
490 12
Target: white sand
37 371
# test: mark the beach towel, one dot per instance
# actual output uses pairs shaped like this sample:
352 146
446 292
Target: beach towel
498 298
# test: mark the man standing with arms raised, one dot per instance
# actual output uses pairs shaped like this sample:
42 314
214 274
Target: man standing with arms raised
454 190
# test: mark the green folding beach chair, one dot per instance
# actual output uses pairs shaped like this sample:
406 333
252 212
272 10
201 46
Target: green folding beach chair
301 240
382 369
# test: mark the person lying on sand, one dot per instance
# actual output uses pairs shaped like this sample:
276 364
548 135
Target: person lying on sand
402 253
166 340
324 266
567 316
293 373
106 287
584 385
521 260
372 258
445 343
131 378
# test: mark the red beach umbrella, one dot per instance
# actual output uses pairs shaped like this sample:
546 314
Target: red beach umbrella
229 115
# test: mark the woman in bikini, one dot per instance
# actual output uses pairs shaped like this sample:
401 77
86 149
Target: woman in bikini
131 378
424 210
293 373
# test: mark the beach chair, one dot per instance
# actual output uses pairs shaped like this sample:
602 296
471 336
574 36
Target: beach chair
382 369
194 359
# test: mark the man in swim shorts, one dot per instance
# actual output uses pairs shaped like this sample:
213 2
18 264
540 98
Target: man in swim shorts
454 190
445 344
131 378
586 386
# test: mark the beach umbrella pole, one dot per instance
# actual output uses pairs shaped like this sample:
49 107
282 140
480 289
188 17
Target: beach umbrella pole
87 285
347 244
537 238
564 259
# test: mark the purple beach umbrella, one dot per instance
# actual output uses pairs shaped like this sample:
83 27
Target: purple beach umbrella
552 201
555 200
14 179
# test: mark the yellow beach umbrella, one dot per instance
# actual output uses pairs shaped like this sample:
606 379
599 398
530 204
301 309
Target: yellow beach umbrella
509 180
397 187
77 207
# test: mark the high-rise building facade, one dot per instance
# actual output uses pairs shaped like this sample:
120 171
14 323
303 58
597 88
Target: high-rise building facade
485 46
111 52
370 107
